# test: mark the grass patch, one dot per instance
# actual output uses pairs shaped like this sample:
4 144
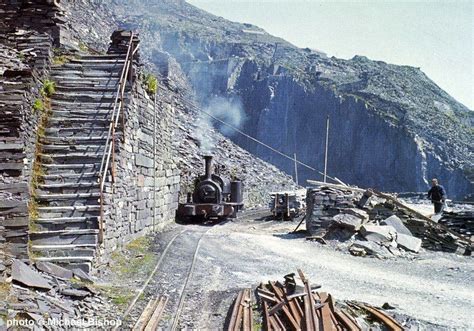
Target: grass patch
151 83
60 59
83 46
119 295
4 290
38 105
136 257
48 89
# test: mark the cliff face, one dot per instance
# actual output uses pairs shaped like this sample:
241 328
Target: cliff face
391 126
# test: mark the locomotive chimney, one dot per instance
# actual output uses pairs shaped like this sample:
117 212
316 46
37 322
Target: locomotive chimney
208 160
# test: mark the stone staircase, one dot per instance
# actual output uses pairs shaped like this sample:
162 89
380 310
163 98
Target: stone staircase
67 228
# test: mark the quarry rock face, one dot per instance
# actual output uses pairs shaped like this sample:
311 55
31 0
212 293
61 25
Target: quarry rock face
391 127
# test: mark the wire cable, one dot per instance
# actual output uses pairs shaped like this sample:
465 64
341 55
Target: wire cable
264 144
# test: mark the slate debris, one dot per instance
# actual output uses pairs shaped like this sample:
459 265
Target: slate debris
397 223
25 275
38 293
332 215
461 221
54 270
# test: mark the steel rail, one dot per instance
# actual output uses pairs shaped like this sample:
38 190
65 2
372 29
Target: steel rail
174 326
157 266
145 285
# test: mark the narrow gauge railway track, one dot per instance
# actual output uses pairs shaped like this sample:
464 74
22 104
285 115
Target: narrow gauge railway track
173 271
169 278
248 215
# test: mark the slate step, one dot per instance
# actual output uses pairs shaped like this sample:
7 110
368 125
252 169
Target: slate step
91 66
75 140
91 88
70 178
71 158
66 259
65 185
83 113
76 202
102 57
66 196
58 169
67 223
112 59
84 98
71 120
76 131
63 105
67 81
64 237
77 148
66 209
69 188
84 265
84 73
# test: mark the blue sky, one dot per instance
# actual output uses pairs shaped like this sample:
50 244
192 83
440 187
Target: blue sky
436 36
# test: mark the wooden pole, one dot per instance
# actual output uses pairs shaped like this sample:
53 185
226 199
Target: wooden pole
296 170
326 151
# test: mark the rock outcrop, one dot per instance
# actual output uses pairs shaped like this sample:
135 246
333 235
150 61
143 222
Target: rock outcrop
391 126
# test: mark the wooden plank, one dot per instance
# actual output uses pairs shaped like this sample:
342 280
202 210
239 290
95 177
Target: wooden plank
338 186
146 315
155 319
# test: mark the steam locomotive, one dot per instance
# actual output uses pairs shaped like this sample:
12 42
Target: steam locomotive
213 198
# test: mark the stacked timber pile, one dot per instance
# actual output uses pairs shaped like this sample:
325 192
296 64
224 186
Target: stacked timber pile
374 223
461 221
295 304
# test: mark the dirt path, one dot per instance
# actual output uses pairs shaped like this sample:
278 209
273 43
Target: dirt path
434 287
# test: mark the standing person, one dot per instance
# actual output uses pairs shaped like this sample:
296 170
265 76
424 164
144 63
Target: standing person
437 194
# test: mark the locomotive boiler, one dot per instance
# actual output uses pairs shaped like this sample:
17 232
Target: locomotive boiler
214 197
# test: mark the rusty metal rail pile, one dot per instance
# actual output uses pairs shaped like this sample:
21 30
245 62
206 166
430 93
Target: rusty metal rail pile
151 315
296 305
242 313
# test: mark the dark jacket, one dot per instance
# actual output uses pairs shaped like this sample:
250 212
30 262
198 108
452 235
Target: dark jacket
437 193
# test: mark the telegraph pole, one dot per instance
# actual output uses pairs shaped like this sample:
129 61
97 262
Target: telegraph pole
326 150
296 169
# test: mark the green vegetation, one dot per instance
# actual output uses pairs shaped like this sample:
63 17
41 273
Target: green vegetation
83 46
151 84
60 59
135 257
38 105
48 89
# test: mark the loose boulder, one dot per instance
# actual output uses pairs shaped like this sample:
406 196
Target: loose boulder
22 273
409 243
371 248
397 223
348 221
54 270
378 233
